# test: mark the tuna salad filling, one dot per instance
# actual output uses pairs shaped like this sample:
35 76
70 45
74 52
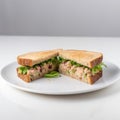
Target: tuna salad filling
39 70
77 70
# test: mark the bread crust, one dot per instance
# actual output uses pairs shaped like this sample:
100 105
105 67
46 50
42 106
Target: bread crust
26 77
87 58
32 58
92 79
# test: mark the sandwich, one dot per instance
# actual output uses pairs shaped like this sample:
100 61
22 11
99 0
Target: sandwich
35 65
82 65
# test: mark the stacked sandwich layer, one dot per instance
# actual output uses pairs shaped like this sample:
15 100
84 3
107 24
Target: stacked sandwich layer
82 65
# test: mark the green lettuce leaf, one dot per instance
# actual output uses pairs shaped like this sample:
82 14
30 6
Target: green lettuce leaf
23 70
98 68
52 74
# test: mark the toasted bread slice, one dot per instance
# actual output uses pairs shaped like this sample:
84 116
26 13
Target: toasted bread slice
32 58
86 58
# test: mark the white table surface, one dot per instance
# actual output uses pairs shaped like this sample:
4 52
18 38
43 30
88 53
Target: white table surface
18 105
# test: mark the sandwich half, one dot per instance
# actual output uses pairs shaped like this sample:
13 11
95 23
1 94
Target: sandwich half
82 65
35 65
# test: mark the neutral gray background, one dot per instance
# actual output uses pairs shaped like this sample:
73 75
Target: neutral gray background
60 17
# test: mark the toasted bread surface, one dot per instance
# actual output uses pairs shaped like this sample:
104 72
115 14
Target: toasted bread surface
87 58
32 58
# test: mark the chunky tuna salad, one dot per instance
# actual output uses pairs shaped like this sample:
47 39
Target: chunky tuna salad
39 70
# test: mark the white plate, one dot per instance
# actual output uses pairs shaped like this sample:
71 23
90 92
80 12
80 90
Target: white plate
62 85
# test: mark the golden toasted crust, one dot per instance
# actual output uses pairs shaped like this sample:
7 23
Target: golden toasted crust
94 78
87 58
32 58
